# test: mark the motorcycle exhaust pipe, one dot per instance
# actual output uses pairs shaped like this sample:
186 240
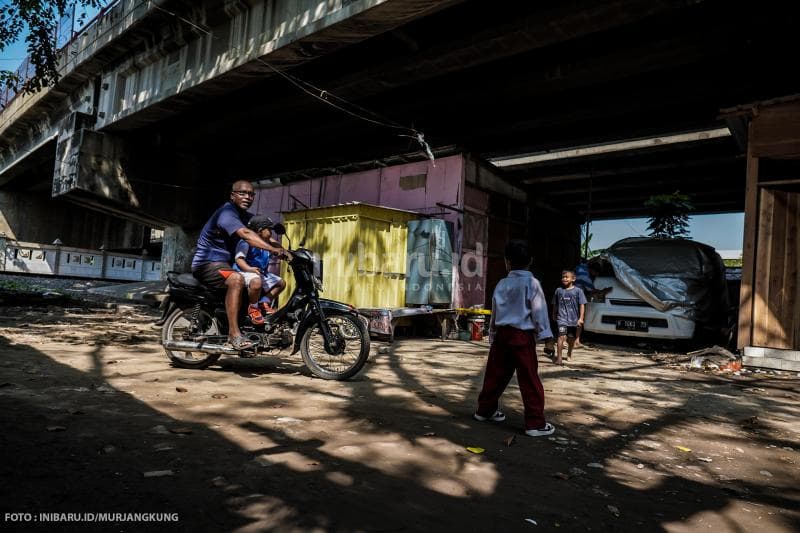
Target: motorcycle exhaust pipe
188 346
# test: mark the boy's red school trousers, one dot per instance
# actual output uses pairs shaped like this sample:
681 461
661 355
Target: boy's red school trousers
513 349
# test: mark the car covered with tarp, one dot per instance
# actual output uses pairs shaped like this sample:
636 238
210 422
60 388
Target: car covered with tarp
660 288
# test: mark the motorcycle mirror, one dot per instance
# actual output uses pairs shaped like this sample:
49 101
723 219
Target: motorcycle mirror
279 228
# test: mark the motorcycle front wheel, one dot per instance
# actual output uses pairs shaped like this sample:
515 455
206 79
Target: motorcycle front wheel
180 326
351 339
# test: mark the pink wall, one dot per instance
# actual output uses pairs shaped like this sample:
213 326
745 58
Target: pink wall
444 184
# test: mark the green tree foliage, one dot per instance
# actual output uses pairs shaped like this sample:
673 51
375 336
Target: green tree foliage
669 215
733 263
36 21
586 250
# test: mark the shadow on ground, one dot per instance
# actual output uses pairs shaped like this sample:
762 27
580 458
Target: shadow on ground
261 445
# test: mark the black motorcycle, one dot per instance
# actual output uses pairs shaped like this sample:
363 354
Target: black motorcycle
330 335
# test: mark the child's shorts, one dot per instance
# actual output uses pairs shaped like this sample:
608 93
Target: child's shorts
568 331
268 280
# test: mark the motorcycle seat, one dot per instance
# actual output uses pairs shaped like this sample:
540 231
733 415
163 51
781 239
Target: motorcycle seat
185 280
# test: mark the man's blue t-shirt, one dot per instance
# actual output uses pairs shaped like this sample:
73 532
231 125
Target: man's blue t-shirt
218 237
567 304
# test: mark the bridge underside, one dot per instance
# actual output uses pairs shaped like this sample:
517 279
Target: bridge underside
514 78
522 77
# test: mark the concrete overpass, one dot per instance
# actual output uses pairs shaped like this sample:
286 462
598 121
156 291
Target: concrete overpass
162 103
89 139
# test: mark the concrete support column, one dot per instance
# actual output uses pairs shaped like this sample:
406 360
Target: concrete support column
178 249
3 242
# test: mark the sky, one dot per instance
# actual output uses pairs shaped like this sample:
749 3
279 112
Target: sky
11 57
723 232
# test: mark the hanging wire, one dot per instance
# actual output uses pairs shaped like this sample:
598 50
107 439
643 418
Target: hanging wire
325 96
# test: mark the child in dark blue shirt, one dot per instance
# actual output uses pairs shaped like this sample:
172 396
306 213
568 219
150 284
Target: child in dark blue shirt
569 304
253 263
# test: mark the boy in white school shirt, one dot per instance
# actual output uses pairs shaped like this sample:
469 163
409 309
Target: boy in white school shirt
519 317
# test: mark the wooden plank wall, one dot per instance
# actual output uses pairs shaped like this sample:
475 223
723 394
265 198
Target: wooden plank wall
776 288
770 292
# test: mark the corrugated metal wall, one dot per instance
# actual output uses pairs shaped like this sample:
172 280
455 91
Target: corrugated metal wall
362 248
420 187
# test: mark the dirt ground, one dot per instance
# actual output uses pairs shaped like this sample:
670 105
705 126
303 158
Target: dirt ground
90 408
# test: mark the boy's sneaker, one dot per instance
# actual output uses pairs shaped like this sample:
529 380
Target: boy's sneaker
548 429
255 315
265 308
498 416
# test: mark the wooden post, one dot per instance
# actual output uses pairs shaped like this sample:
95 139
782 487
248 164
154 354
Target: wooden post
779 321
791 272
748 246
762 314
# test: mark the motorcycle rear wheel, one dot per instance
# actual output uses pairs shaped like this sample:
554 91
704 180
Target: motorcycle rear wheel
179 327
347 329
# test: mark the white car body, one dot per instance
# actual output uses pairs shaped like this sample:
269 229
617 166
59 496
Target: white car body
624 313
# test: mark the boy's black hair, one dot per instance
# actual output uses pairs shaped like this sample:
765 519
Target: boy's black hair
518 254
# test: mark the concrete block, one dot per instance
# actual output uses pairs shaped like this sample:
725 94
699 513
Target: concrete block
763 362
755 351
793 366
776 353
123 267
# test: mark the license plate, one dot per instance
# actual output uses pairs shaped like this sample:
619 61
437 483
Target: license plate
632 325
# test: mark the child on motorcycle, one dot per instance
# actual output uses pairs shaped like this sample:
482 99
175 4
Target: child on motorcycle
253 264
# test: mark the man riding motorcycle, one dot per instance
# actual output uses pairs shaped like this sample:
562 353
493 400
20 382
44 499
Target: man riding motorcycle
212 262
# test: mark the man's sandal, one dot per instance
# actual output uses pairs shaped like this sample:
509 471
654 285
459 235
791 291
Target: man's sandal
240 343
